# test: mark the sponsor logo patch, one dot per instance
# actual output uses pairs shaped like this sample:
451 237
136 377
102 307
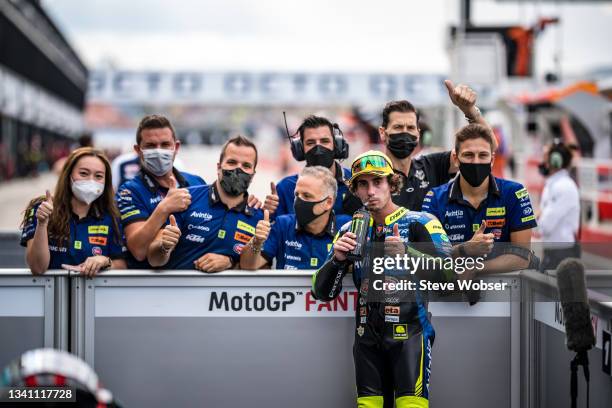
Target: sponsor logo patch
392 310
400 331
96 250
98 229
221 234
98 240
129 214
77 244
240 237
392 319
496 211
204 216
527 219
522 193
238 248
194 238
496 223
475 227
241 225
314 261
360 331
434 227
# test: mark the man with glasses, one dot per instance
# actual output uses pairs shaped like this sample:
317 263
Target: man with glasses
393 335
300 240
400 133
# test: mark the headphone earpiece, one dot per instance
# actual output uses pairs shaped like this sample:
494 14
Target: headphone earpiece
559 156
341 147
555 160
297 147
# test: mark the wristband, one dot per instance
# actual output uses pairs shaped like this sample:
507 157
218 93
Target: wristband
474 120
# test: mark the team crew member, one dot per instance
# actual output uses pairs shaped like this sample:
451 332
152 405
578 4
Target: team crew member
77 227
210 234
393 338
560 201
320 144
303 239
146 201
400 134
478 210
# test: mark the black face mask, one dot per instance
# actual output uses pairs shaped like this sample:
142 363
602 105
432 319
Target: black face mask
401 145
543 169
320 156
304 211
235 182
475 173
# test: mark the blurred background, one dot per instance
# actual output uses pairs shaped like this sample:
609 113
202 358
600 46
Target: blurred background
75 73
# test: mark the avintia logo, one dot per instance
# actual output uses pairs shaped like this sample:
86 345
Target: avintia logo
204 216
293 244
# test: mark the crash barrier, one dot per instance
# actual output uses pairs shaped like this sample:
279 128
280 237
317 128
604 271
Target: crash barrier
239 338
11 253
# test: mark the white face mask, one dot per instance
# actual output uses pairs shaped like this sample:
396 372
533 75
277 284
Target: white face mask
87 191
158 161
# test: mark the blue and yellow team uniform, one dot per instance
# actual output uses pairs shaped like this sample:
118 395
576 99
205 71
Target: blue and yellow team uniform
295 248
393 337
208 226
92 235
137 199
346 202
506 209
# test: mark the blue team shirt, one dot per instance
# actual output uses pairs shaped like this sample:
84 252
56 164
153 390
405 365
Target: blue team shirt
295 248
286 194
506 209
137 199
89 236
208 226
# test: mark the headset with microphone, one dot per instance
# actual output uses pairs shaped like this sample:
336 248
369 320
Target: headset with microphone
341 146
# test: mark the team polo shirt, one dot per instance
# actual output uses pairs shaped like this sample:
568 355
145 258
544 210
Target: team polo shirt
138 198
295 248
346 202
426 172
506 209
92 235
208 226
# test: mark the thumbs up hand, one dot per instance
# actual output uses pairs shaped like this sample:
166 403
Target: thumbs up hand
481 243
272 199
393 243
170 235
45 209
177 199
262 230
463 97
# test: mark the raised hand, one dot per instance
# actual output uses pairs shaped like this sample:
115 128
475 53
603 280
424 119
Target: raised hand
262 230
170 235
463 97
481 243
177 199
45 209
393 244
272 199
